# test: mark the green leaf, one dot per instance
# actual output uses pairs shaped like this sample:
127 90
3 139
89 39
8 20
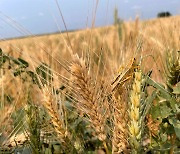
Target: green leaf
156 112
148 103
161 111
18 72
165 111
177 131
163 137
0 51
44 73
176 124
3 59
176 89
163 92
33 77
22 63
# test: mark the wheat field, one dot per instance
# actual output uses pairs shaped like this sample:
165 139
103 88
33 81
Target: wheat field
111 89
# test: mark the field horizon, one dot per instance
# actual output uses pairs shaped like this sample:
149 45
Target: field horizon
80 30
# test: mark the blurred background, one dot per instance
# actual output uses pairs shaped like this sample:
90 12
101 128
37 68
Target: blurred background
42 17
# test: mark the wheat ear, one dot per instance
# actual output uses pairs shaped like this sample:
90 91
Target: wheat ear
134 113
120 134
50 104
88 97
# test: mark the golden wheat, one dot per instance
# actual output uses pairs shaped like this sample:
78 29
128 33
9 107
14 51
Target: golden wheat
88 97
120 134
50 104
